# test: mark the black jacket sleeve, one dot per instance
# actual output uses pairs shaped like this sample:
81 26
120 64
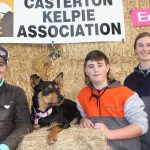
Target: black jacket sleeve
128 82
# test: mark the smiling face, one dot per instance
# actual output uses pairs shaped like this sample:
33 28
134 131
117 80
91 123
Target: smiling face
96 69
97 72
143 49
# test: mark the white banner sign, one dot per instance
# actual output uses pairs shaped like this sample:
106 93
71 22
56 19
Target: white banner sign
61 21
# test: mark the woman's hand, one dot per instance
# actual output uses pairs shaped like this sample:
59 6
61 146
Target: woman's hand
86 123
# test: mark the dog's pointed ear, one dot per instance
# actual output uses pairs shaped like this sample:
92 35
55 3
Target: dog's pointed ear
59 78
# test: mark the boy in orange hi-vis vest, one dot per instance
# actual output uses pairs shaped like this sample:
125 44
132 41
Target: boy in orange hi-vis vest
107 106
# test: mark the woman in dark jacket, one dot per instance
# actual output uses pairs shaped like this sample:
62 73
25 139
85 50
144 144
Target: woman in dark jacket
139 80
14 110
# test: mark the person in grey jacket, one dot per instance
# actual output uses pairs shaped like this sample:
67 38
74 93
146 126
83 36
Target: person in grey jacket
14 110
109 107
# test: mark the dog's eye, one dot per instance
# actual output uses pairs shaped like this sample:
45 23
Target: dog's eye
46 91
57 87
48 88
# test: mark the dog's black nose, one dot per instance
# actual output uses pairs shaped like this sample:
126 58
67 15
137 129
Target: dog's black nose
60 97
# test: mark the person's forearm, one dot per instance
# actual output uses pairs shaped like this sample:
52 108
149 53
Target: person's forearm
127 132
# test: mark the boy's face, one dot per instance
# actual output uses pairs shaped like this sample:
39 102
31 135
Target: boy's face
3 67
143 48
97 71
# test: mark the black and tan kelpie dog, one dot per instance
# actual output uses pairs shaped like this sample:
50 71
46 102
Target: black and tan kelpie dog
49 107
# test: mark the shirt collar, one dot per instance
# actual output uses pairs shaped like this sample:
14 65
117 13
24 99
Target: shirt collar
140 68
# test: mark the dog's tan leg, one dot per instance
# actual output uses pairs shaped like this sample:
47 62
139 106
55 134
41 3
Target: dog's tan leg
53 134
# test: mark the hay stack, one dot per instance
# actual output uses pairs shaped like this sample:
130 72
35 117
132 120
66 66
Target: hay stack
74 138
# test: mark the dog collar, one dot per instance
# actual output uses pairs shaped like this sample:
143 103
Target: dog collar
42 115
45 114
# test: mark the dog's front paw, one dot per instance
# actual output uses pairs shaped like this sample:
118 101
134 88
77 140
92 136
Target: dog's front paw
51 138
53 134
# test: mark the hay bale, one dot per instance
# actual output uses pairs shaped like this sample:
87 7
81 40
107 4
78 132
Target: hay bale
74 138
